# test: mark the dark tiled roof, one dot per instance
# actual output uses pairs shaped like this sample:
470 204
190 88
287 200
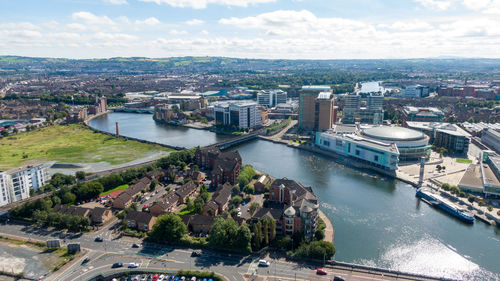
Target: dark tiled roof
186 189
223 194
124 196
71 210
273 213
201 220
139 217
98 212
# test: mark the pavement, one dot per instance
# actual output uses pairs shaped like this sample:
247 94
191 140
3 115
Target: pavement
164 258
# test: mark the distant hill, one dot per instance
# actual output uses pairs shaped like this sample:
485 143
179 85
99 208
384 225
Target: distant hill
139 65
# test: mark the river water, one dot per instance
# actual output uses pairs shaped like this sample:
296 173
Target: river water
377 221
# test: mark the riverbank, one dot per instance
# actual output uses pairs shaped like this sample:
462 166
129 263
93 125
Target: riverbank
329 230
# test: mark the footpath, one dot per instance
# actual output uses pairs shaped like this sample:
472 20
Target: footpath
329 231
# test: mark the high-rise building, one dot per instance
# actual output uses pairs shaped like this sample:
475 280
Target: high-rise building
5 188
415 91
271 98
239 114
372 113
316 109
15 184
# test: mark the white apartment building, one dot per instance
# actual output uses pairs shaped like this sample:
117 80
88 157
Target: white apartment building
5 188
415 91
271 98
240 114
15 184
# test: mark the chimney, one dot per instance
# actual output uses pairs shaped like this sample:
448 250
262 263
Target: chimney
117 131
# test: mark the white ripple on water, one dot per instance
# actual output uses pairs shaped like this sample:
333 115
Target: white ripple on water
431 257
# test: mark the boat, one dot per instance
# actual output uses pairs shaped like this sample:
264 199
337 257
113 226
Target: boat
439 202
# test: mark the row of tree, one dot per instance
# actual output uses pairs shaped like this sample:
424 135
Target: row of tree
61 221
264 232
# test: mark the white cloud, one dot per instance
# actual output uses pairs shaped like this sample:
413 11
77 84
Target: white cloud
116 2
194 22
76 27
149 21
484 6
287 22
178 32
408 25
92 19
205 32
439 5
202 4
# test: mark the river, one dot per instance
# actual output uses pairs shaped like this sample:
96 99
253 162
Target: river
377 221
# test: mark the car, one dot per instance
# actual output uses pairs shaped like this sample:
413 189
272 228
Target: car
321 271
136 278
133 265
176 278
204 279
135 245
239 214
264 263
195 254
183 278
193 278
172 277
99 239
143 278
338 278
239 209
117 264
85 260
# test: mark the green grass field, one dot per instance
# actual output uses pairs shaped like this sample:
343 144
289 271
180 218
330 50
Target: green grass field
70 144
121 187
461 160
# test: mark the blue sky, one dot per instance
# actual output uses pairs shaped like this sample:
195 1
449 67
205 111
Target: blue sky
294 29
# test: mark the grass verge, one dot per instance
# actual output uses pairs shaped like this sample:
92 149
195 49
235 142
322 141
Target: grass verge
121 187
71 144
462 160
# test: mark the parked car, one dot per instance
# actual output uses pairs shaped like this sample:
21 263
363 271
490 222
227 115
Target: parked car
264 263
98 239
133 265
85 260
183 278
338 278
321 271
193 278
135 245
117 264
195 254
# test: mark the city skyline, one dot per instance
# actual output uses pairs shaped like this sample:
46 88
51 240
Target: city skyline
270 29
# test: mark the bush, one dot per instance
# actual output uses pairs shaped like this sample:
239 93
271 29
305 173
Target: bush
318 250
490 208
481 203
193 242
168 228
455 190
445 186
471 198
498 212
227 235
246 175
283 242
462 194
236 201
249 189
199 274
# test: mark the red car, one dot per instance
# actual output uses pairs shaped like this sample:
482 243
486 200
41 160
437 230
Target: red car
321 271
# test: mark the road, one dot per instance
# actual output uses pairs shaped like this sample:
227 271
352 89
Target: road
155 257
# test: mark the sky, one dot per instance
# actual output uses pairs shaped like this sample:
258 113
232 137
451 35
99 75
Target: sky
271 29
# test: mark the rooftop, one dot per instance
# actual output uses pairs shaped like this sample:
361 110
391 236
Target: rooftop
472 177
393 133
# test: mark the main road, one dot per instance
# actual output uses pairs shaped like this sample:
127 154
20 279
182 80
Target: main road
154 257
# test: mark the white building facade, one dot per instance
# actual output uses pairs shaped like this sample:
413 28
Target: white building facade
415 91
5 188
271 98
15 184
239 114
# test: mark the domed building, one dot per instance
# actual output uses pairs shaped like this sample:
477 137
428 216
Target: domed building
411 144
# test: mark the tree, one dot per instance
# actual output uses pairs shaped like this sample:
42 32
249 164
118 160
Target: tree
318 250
471 198
236 200
4 133
227 235
254 207
80 175
168 227
153 184
58 180
257 232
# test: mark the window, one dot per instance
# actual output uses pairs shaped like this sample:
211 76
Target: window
357 152
375 158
